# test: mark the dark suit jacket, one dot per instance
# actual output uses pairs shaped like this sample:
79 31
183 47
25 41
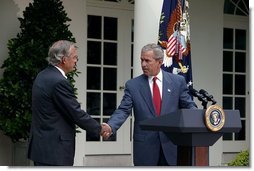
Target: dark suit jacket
146 144
55 111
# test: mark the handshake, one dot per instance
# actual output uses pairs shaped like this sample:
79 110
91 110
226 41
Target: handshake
106 131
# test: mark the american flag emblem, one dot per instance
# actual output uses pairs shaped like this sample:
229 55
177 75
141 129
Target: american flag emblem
174 38
174 45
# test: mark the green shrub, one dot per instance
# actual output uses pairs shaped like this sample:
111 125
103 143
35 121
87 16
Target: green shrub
241 159
43 22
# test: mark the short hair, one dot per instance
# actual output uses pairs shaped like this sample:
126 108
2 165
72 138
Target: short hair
58 50
157 50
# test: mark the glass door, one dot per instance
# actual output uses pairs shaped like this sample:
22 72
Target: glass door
109 53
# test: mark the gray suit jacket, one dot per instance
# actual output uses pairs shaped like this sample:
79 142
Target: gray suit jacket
55 111
138 96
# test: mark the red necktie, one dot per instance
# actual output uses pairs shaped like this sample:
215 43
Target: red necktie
156 96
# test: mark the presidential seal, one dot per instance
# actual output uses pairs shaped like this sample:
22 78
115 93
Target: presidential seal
214 118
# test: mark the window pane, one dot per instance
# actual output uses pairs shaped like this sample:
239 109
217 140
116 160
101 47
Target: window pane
93 78
240 84
131 126
227 84
227 103
227 61
240 39
228 38
243 5
110 28
132 30
93 103
109 103
241 134
93 52
228 7
109 78
240 62
94 27
131 56
228 136
90 137
240 105
110 53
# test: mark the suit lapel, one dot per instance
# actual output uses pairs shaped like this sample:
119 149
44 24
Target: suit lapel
166 93
146 94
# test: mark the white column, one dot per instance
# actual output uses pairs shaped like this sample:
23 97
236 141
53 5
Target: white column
76 11
146 28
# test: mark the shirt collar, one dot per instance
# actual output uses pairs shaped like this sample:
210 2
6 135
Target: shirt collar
62 72
159 77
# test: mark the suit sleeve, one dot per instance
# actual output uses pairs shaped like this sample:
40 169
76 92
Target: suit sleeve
123 111
67 103
185 99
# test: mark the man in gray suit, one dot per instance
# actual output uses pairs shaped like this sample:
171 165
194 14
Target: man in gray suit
56 111
151 147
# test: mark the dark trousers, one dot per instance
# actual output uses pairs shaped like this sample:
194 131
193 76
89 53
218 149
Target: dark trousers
162 160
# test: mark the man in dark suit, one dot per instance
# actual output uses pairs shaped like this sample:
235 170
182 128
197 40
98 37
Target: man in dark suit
56 111
151 147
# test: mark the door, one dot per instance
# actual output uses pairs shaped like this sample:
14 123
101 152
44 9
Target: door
109 66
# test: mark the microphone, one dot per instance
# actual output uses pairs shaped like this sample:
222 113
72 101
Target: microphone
208 97
195 93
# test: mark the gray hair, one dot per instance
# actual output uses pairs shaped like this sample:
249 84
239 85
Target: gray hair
58 50
157 50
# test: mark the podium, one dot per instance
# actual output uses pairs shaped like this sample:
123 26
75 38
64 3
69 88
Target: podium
186 129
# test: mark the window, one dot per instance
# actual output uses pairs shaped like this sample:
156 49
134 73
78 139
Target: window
101 68
236 7
235 86
108 65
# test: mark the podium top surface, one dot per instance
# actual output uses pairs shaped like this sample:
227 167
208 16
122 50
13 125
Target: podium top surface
190 121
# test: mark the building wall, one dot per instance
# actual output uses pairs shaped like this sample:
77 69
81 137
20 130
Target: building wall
206 19
206 52
5 150
9 26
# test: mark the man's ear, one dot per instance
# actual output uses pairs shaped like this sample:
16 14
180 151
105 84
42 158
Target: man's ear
64 60
160 62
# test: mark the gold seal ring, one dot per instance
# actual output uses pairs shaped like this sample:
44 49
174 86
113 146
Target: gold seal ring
214 118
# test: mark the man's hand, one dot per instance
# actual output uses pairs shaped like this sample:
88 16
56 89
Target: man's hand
106 131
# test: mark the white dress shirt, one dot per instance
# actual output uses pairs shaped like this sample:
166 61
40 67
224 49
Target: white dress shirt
158 81
62 72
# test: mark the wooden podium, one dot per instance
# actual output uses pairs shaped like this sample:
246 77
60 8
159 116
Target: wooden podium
187 130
